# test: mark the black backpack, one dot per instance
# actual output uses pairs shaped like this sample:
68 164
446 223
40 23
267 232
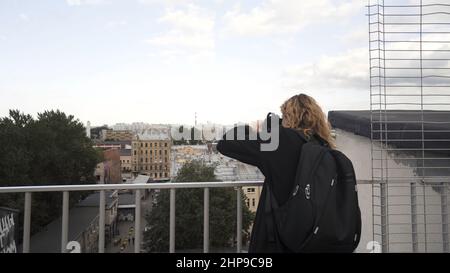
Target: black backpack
322 213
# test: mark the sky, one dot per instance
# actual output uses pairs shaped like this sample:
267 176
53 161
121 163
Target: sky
162 61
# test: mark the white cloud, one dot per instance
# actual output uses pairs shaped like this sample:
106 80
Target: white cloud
166 2
84 2
345 71
191 33
115 24
194 19
286 16
337 82
24 17
3 38
358 37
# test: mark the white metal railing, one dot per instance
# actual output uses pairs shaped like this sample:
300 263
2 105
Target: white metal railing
65 189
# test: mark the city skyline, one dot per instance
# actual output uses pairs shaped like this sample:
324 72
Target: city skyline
111 61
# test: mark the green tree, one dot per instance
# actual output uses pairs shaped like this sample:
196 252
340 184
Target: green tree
50 150
189 214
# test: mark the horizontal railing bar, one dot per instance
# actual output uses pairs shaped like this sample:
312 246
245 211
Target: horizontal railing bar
408 168
413 149
409 103
97 187
407 6
408 195
408 14
415 24
411 86
410 131
415 158
409 223
410 68
409 140
410 50
409 112
406 180
409 214
186 185
406 41
410 77
409 32
387 120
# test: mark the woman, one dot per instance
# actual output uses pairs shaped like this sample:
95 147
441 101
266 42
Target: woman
299 113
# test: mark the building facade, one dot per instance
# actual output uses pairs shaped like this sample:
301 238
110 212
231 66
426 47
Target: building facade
126 159
117 135
253 194
110 170
151 157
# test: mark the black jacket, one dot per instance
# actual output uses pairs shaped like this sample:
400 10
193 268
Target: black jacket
279 169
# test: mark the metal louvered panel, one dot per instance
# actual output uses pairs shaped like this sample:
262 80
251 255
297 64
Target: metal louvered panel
409 52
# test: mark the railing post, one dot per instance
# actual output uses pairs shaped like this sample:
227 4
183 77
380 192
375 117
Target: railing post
101 223
26 223
384 218
239 221
206 221
172 221
414 232
137 223
445 222
65 222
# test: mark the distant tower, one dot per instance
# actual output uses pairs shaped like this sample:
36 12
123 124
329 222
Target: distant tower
88 129
195 118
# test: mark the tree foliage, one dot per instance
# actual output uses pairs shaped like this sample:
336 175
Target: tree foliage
189 214
50 150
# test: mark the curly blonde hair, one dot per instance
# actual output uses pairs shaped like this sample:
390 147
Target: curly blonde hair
301 112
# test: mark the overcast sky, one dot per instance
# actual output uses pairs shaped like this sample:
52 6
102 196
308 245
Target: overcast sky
156 61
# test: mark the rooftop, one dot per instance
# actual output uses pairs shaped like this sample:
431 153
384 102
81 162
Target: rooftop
80 217
401 128
49 239
125 152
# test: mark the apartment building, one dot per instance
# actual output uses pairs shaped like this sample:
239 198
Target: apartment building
117 135
253 194
151 156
